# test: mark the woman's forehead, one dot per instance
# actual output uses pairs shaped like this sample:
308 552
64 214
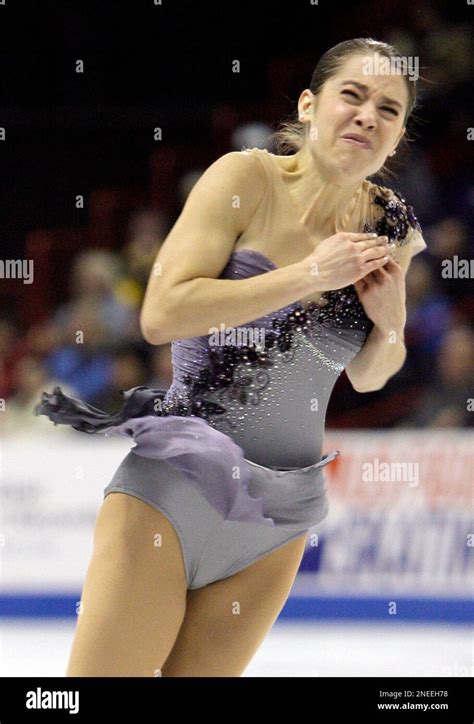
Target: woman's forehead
355 68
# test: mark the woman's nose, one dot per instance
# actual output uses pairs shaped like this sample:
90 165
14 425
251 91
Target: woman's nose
366 117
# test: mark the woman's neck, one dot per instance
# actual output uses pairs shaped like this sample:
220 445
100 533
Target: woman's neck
328 205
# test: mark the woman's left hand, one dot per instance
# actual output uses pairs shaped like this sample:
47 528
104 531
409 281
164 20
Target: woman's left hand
382 295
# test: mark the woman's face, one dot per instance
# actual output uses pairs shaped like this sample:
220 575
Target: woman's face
344 108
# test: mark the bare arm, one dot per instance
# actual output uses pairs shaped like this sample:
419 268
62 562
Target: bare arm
384 352
183 297
382 356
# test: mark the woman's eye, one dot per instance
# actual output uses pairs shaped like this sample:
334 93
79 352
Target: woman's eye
351 93
384 108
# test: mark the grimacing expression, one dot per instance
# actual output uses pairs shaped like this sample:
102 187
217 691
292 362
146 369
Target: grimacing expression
376 113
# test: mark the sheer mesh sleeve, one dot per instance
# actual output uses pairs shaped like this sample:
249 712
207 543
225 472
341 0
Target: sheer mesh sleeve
416 241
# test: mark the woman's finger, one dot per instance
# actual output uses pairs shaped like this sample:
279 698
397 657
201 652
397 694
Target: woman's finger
360 285
378 276
370 278
392 265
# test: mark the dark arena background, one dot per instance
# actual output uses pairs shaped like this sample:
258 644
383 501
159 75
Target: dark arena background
109 113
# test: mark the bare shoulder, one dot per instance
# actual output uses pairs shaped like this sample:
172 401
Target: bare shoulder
225 195
246 167
241 178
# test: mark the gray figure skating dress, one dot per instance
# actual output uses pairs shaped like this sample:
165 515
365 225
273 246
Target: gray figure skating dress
231 452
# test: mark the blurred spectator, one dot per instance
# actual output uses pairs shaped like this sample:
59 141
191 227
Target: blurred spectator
447 239
161 367
251 135
96 276
128 369
418 182
448 53
186 183
7 361
44 337
429 316
30 379
38 341
84 360
445 402
147 230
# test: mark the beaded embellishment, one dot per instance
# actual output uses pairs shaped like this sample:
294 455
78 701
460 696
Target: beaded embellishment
397 219
240 373
235 369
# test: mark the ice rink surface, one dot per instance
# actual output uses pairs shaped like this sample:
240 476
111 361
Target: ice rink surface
30 648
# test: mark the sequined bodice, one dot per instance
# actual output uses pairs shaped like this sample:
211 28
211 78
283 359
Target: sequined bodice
267 383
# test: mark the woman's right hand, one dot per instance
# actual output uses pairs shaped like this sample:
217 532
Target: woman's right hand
344 258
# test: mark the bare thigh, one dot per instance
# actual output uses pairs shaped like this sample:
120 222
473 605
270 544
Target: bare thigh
134 596
226 621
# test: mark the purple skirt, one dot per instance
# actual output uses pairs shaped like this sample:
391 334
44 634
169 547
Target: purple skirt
238 488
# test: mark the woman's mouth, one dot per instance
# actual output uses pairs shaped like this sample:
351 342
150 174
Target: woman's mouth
356 141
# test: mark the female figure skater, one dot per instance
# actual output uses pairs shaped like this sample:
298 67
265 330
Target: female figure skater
271 282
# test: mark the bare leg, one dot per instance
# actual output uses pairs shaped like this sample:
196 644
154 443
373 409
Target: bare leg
226 621
134 597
